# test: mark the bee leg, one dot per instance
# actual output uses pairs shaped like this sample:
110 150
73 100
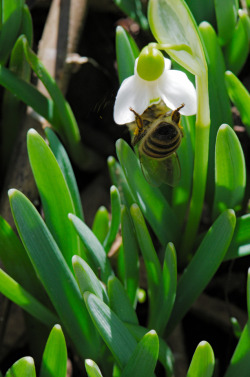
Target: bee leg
176 115
138 119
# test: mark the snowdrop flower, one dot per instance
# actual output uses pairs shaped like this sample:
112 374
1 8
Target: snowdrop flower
152 82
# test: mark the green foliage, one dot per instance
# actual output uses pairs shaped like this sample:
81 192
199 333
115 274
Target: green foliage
62 272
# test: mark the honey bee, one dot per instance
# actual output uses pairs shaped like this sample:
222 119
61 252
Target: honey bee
158 134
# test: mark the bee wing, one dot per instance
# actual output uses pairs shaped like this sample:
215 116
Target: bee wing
159 171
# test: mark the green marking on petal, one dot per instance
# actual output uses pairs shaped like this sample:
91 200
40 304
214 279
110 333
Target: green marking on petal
150 64
155 100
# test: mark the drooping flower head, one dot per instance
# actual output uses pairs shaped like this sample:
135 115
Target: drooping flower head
152 82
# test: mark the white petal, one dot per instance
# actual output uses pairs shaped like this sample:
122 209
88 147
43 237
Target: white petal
135 93
167 64
175 89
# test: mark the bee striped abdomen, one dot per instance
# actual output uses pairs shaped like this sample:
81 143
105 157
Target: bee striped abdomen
164 140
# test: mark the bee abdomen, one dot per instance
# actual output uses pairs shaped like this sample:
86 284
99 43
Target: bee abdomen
163 141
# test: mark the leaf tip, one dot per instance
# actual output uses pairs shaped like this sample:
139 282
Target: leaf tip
11 192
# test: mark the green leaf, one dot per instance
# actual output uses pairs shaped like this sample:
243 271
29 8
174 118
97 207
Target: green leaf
144 358
92 369
54 361
54 274
130 255
226 16
119 180
55 195
240 244
237 330
100 225
203 266
239 95
230 171
96 252
240 362
165 354
68 127
16 293
152 264
87 280
220 108
29 95
26 25
114 333
66 168
24 367
17 263
115 218
167 289
202 364
236 51
150 200
12 12
126 53
119 302
174 27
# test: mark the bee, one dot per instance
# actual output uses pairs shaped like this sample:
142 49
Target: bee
158 134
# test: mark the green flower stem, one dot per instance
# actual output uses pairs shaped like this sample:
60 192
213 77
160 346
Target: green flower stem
200 167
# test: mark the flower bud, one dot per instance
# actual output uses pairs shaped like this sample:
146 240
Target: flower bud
150 64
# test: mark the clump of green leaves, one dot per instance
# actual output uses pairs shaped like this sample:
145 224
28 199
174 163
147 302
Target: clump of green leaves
59 270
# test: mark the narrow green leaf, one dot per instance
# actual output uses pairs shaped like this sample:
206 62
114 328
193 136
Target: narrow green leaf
149 254
230 171
54 274
114 333
115 218
240 362
66 168
239 95
55 195
87 280
11 22
54 361
126 53
167 291
92 369
248 293
16 293
100 225
17 263
165 355
236 51
119 302
144 358
203 266
29 95
12 109
119 180
202 364
237 330
24 367
220 108
130 255
240 244
69 129
226 17
26 25
96 252
150 200
181 192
